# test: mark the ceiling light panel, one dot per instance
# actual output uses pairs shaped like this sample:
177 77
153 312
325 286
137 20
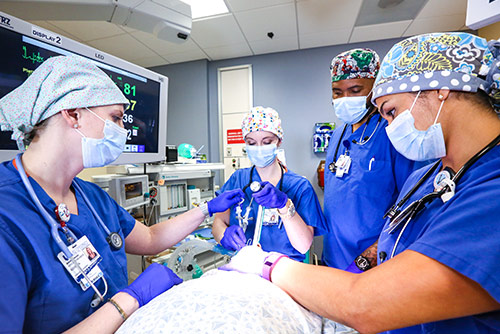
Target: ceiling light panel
205 8
384 11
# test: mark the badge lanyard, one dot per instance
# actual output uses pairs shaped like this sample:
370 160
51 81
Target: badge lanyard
341 165
70 256
265 214
444 187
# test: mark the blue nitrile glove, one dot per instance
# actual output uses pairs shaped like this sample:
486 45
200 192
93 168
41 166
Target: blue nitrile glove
224 201
233 238
353 268
270 196
155 280
249 260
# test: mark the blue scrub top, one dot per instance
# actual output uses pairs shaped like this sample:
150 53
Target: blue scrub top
273 236
37 294
355 204
462 234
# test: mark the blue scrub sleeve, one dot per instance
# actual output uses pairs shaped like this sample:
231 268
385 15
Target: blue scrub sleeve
14 282
127 222
464 235
310 210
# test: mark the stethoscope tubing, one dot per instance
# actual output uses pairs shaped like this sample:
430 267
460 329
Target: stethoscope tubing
54 226
428 198
362 142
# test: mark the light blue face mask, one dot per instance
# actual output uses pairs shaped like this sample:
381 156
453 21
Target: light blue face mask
103 151
262 156
415 144
350 109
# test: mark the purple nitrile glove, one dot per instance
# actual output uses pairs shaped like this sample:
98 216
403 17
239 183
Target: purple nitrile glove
249 260
155 280
270 197
224 201
353 268
233 238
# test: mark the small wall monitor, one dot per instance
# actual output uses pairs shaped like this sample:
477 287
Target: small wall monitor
25 46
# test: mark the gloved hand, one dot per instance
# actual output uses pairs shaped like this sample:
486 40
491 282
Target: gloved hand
152 282
353 268
233 238
224 201
270 196
249 260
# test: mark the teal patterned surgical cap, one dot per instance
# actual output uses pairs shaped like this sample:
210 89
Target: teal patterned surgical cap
454 60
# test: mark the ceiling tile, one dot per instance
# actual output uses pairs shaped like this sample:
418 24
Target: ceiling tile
433 24
241 5
280 20
274 45
125 28
443 7
324 38
230 51
218 31
185 56
379 31
46 25
319 16
89 30
150 61
163 47
123 46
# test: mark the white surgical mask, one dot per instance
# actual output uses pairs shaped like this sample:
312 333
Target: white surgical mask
415 144
350 109
262 156
103 151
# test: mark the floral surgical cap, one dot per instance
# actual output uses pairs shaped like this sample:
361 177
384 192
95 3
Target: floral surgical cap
262 119
455 61
63 82
355 64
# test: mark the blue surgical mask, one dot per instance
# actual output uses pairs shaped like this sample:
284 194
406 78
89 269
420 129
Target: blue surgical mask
415 144
103 151
350 109
262 156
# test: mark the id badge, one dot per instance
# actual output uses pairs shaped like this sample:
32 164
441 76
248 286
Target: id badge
271 217
343 164
87 257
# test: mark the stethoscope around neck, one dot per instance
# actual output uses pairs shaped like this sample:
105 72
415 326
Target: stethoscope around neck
444 189
362 141
113 238
251 178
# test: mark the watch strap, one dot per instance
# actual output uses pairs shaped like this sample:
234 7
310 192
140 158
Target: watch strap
269 263
362 263
290 210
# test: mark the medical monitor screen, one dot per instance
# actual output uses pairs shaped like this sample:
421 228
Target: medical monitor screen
21 55
133 190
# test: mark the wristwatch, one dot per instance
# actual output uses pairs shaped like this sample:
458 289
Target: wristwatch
269 264
290 212
362 263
